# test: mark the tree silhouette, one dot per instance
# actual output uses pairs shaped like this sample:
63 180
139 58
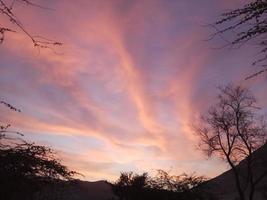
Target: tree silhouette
232 130
27 169
248 23
131 186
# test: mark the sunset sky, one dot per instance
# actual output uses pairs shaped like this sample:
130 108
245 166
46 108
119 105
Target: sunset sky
124 90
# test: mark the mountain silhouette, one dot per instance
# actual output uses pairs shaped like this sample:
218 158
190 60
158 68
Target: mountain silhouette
77 190
224 188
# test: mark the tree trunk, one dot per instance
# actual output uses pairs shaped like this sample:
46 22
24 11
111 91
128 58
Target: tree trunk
237 180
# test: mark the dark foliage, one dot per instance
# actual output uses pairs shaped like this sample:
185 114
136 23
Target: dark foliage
163 186
27 169
248 23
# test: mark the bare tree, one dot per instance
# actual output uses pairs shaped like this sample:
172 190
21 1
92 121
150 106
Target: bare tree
232 131
7 11
248 23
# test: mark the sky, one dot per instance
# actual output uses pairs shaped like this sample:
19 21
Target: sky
126 87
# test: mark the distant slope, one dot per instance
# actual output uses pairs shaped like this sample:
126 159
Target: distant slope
99 190
223 186
78 190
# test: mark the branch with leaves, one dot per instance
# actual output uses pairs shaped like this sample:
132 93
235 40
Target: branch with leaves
7 12
248 23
